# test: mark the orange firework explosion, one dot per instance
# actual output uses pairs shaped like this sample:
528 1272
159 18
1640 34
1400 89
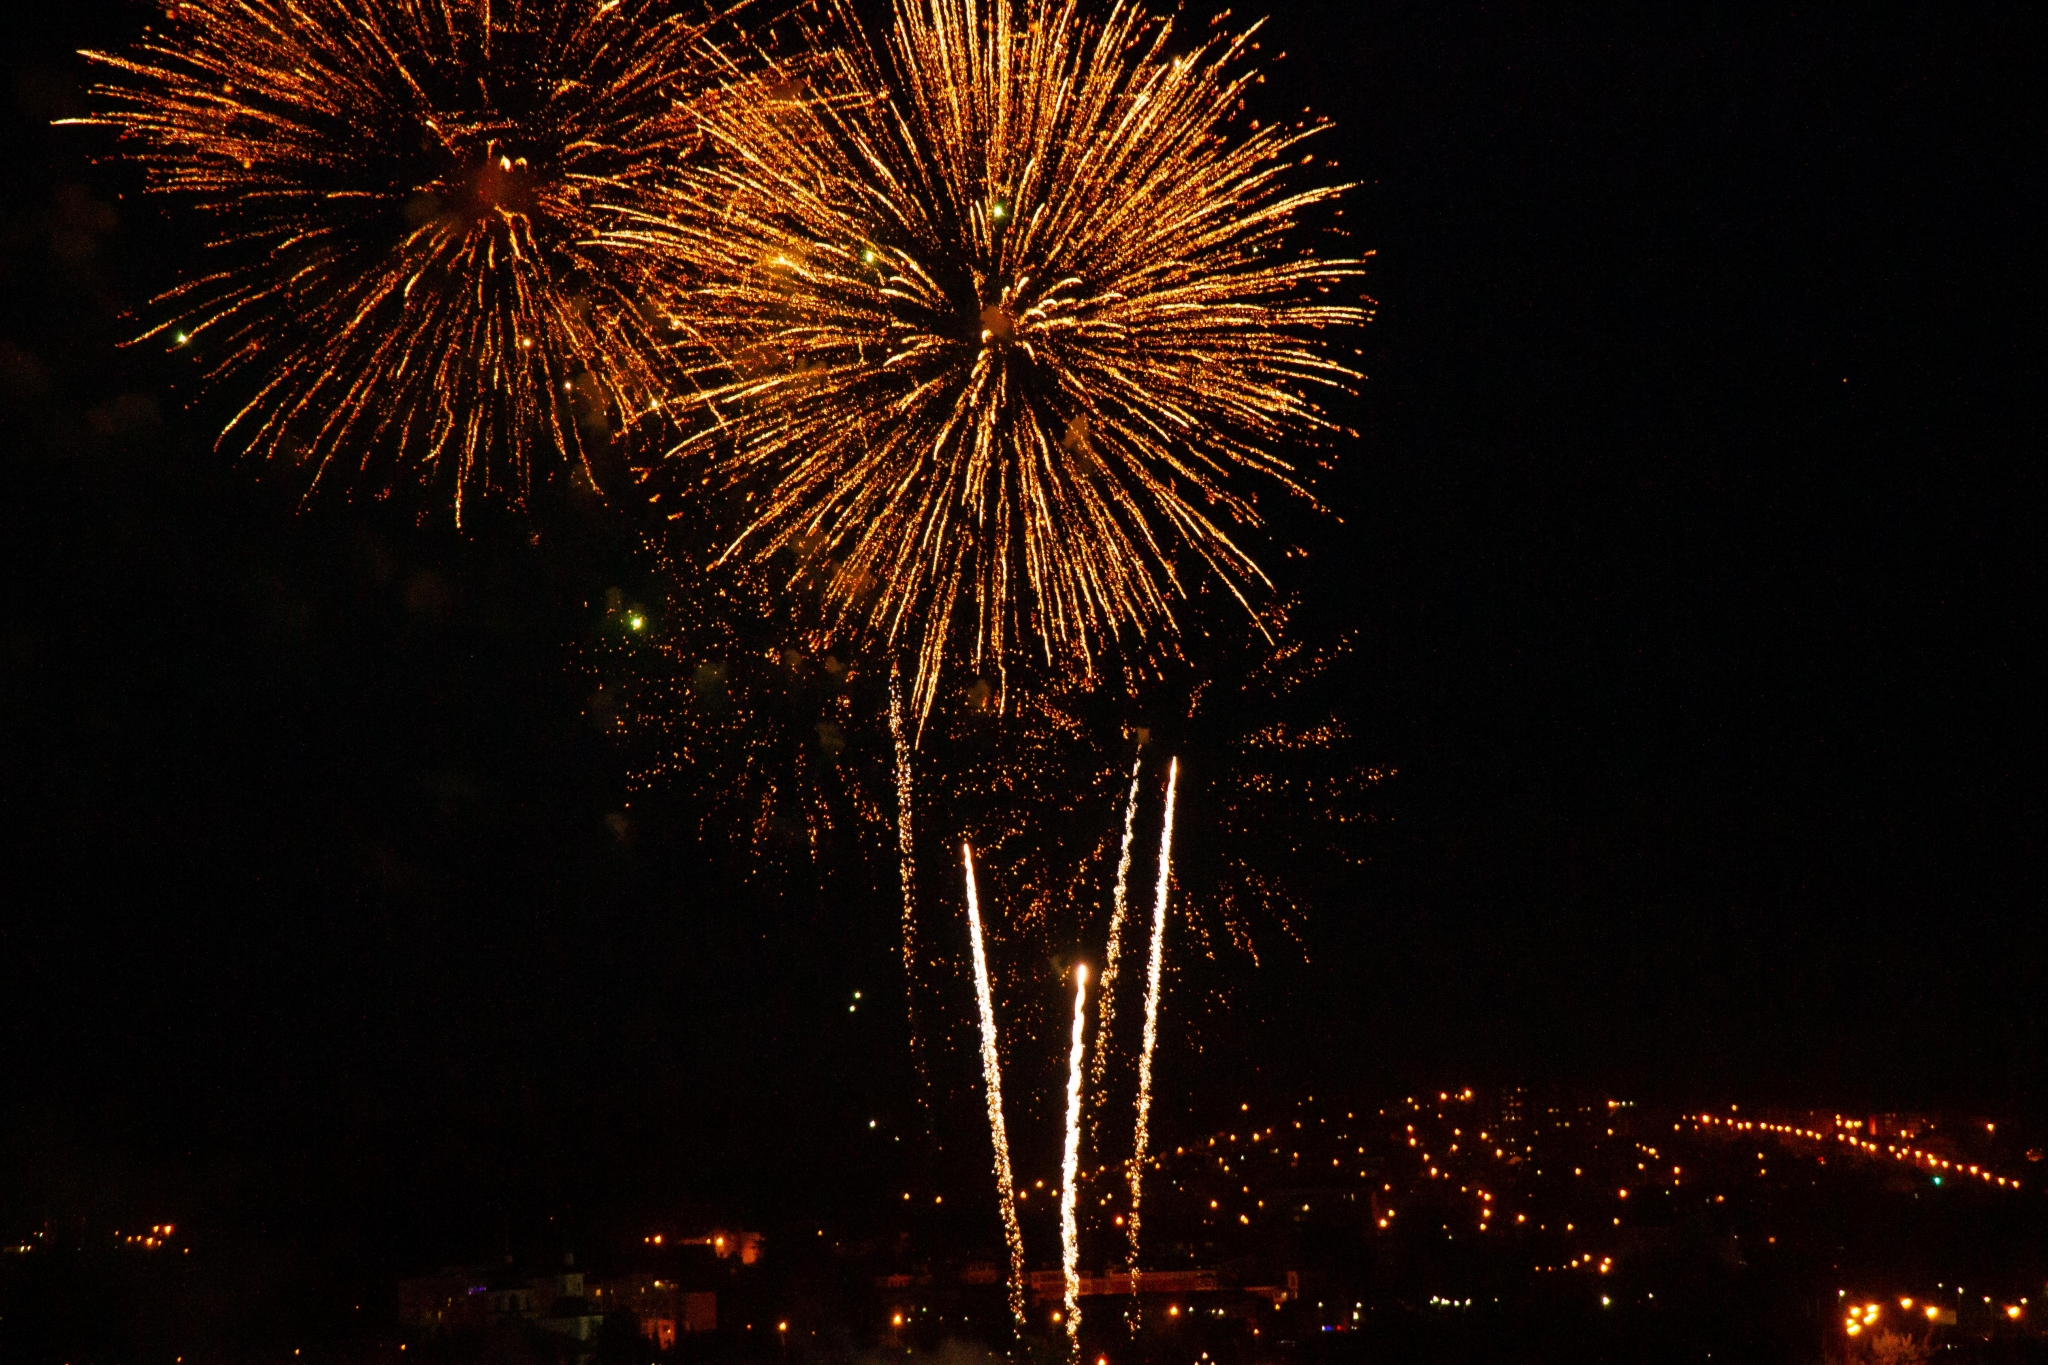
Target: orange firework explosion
409 202
990 342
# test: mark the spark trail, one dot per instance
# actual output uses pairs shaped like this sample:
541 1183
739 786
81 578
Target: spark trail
1070 1163
906 792
1144 1133
1105 1006
992 1081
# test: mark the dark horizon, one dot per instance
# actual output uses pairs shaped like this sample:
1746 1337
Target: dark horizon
1685 547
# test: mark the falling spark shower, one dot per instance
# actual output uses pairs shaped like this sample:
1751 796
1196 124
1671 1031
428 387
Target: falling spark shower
992 1080
1070 1166
1144 1134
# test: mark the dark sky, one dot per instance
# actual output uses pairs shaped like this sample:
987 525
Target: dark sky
1688 545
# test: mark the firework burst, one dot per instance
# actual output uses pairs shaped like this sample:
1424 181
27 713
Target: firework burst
1287 801
994 316
408 205
768 748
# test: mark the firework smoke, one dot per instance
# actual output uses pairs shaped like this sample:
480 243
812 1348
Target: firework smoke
1070 1169
992 1082
1152 975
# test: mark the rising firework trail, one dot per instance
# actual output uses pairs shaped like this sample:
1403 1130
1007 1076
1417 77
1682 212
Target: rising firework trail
1152 975
906 791
998 343
1105 1007
411 212
992 1083
1070 1169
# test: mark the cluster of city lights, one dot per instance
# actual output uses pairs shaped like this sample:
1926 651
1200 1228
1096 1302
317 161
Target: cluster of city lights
1226 1153
1446 1153
716 1241
1860 1318
1916 1155
1585 1262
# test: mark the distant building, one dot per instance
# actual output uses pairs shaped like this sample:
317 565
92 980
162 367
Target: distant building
462 1297
558 1303
453 1299
723 1243
1898 1125
660 1307
1052 1284
1510 1112
745 1245
573 1316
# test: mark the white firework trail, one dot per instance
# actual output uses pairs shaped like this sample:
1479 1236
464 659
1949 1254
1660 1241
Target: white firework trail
1105 998
1070 1169
1144 1133
992 1082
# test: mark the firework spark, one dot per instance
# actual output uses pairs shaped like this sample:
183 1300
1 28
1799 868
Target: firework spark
1070 1169
410 207
1105 1006
1152 974
992 1082
995 341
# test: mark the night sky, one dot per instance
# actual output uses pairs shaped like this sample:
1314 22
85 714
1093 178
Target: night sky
1688 545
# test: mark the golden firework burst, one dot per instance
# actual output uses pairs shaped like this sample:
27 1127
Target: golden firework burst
407 205
993 316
